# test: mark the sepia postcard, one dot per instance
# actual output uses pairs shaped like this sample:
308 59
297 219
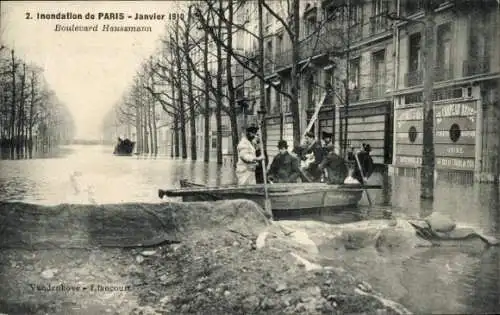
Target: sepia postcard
250 157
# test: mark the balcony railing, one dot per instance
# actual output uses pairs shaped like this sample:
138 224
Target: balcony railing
377 90
379 23
414 78
476 66
283 59
443 73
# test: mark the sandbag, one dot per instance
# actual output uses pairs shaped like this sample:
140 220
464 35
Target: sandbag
440 222
24 225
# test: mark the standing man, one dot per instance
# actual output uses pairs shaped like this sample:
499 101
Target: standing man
247 158
366 162
285 167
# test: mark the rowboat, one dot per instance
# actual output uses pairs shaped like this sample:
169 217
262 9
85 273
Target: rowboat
124 148
286 198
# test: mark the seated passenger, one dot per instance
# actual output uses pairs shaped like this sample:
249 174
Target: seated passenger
285 167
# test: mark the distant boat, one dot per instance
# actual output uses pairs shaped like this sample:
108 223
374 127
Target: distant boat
286 198
124 147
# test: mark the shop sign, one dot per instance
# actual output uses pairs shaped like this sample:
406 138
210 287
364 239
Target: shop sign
460 109
410 114
408 160
455 163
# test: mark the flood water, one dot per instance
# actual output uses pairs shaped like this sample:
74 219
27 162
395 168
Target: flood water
436 280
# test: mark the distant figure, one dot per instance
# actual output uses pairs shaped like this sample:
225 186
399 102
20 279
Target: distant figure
285 167
247 158
124 147
366 162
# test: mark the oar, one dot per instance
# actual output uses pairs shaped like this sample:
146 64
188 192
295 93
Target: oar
362 179
267 203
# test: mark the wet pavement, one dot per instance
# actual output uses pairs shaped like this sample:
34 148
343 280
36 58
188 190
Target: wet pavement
436 280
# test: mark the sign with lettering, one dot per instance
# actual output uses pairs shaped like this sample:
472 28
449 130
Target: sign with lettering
408 160
415 113
455 163
455 110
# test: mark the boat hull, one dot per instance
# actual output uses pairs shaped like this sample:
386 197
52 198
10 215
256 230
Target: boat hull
286 199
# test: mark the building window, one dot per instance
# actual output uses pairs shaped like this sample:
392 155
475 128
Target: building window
269 49
277 96
310 25
311 90
415 52
286 103
268 98
354 74
279 44
378 74
414 75
214 142
329 86
444 52
478 59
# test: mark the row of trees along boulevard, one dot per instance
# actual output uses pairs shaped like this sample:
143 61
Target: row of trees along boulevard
32 119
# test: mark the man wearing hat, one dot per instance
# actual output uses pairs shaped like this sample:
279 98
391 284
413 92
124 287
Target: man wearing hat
366 162
327 138
285 167
247 158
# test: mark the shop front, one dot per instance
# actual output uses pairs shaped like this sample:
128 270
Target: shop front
455 137
370 124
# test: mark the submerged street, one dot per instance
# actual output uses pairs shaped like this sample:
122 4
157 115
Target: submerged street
431 280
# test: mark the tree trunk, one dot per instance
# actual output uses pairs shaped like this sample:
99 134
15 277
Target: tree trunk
262 88
182 113
230 86
20 127
218 96
192 116
138 128
206 91
295 81
155 127
176 136
428 155
150 123
13 107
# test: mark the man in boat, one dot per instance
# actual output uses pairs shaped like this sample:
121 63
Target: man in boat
333 166
285 167
310 154
247 158
366 162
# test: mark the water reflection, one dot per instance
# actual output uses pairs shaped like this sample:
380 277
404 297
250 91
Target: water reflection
427 280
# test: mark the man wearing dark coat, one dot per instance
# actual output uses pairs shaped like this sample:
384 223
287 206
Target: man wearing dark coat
366 162
285 167
334 165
